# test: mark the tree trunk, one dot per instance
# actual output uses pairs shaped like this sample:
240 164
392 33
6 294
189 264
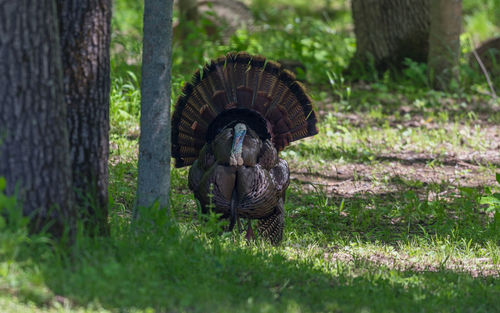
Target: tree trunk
34 153
388 31
188 15
154 143
85 36
444 41
188 10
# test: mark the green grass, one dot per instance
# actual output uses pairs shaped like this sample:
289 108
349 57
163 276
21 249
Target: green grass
393 206
159 264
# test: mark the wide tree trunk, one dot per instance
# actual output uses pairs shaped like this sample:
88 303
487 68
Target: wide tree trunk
388 31
153 183
85 36
34 152
444 41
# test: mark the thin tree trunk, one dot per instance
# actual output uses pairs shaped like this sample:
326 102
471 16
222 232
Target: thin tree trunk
388 31
188 15
154 142
444 41
85 36
34 152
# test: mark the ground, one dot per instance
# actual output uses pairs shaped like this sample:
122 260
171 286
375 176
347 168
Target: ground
435 167
462 154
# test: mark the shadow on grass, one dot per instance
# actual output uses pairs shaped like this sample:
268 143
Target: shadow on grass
392 216
159 267
155 266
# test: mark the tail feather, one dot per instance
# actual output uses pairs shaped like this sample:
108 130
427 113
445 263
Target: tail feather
261 103
240 69
188 141
244 95
240 80
269 77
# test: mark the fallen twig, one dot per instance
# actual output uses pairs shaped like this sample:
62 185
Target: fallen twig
485 72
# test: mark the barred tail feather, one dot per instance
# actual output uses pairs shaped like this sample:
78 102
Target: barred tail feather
250 84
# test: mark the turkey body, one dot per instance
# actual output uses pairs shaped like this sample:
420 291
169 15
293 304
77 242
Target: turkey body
230 124
253 190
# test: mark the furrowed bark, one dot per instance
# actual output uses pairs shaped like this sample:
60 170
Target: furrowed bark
444 41
85 36
388 31
34 151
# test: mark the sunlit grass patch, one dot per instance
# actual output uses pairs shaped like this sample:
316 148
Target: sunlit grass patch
375 137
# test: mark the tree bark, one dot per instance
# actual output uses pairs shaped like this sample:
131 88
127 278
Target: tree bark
444 41
34 152
154 142
85 36
188 10
388 31
188 18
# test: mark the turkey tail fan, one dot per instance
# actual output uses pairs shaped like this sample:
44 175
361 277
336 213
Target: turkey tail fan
248 86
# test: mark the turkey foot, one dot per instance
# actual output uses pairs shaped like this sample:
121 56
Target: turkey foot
250 236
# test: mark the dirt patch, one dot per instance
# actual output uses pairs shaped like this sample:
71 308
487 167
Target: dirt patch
476 267
472 162
397 172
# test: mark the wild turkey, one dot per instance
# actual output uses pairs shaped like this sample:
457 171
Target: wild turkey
231 122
